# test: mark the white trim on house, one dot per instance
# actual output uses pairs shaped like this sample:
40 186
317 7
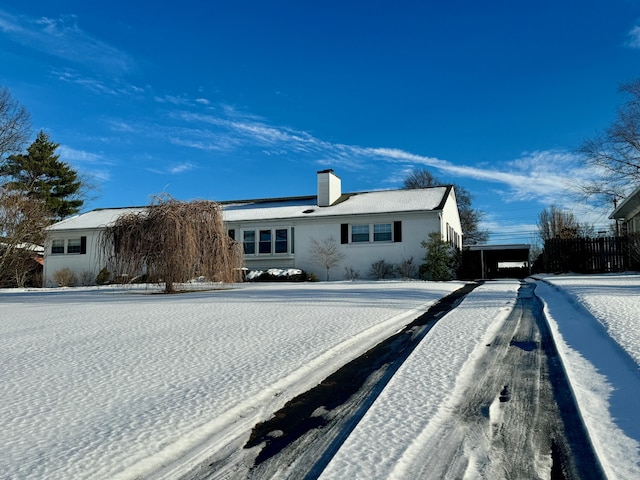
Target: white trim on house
388 225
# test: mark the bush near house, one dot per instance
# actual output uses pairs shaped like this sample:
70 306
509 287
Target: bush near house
407 268
381 269
87 278
441 260
351 273
65 277
103 277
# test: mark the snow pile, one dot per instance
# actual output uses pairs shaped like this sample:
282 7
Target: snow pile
107 383
273 272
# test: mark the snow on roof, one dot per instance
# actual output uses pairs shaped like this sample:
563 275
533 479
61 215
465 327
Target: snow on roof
98 218
39 249
384 201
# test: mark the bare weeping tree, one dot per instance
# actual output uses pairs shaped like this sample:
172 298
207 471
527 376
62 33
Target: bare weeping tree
173 241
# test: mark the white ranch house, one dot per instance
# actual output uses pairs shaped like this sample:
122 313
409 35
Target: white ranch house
278 233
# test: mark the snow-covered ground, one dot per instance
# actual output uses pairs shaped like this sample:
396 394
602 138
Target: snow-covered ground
103 383
595 321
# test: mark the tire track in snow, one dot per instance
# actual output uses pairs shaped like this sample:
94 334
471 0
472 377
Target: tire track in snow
517 418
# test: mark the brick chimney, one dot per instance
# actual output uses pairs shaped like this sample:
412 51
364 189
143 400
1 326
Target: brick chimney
329 188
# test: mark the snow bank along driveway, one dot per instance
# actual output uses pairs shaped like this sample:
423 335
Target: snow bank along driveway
595 320
104 384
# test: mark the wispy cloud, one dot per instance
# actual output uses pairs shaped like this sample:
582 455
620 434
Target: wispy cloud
68 154
95 84
63 38
633 37
543 176
90 165
181 168
175 169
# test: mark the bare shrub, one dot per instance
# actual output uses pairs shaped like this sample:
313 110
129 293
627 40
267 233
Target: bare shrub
407 268
351 274
87 278
173 241
65 277
381 269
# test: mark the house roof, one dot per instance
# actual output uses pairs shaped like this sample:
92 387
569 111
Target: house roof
629 207
98 218
384 201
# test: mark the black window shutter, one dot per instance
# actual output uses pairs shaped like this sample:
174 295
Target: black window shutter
83 245
397 231
232 234
344 233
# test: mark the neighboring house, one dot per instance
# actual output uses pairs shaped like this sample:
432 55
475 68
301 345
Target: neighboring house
25 269
278 233
627 213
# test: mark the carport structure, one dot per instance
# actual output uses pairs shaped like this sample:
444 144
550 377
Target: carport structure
496 261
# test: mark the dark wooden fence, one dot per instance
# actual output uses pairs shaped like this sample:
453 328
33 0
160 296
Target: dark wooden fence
588 255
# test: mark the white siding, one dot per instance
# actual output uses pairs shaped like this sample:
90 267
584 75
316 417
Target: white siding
79 263
451 221
415 226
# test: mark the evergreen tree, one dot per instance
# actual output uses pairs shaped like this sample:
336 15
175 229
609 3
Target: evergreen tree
41 175
441 259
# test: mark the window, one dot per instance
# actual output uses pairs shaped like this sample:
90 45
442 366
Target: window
232 234
382 232
359 233
281 240
57 246
73 245
268 241
249 242
265 241
76 245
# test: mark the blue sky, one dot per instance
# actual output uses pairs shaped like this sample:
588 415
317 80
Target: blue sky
248 99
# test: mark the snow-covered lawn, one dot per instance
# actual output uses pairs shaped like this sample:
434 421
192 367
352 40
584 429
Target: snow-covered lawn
104 383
